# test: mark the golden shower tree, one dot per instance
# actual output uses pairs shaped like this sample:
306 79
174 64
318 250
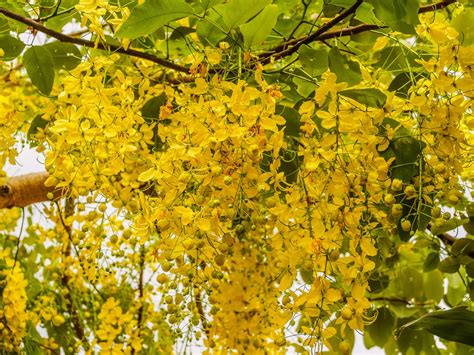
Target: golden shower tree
253 176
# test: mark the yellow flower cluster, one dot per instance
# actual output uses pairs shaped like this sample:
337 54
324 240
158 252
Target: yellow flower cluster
14 313
240 224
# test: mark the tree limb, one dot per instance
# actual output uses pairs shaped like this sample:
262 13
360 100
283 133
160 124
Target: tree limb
91 44
323 33
24 190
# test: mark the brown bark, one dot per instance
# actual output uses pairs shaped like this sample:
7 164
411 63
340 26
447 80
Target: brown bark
24 190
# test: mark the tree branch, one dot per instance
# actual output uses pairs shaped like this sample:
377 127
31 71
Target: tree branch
286 51
91 44
324 33
436 6
24 190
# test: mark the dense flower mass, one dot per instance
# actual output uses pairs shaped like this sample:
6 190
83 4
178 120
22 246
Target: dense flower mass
219 212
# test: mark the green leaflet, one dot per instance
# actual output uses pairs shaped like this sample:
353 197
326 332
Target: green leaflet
258 29
381 329
456 324
314 61
152 15
39 65
65 55
11 47
369 97
400 15
37 123
345 69
238 12
431 262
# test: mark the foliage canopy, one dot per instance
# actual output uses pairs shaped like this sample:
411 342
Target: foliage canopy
246 175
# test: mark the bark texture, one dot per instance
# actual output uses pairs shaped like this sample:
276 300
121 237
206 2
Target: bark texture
24 190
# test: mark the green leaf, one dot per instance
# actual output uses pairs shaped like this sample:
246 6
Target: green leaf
446 226
464 23
434 286
471 290
292 117
407 150
65 55
378 282
470 269
341 3
181 32
314 61
402 83
462 246
305 87
257 30
381 329
469 226
290 162
238 12
37 123
431 261
151 113
11 47
209 4
400 15
456 324
211 29
365 13
409 281
151 108
39 65
346 70
59 21
450 265
413 342
368 97
397 58
151 15
456 290
16 7
307 276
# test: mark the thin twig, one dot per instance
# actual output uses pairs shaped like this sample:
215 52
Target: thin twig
202 316
78 328
91 44
140 292
313 36
287 48
18 244
56 13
